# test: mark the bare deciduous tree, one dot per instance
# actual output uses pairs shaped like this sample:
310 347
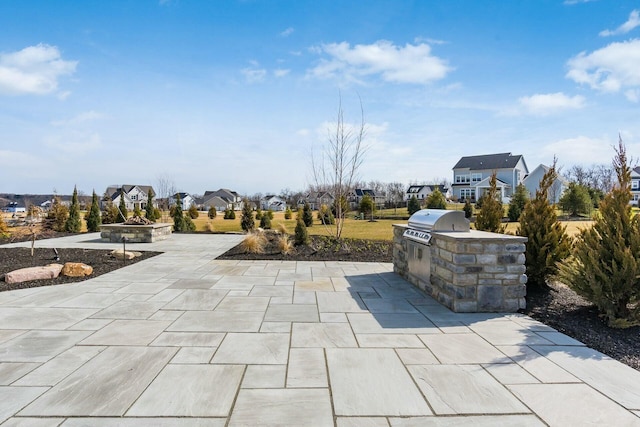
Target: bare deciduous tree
340 160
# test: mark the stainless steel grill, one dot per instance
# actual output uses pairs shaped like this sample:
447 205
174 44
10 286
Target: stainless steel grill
423 222
418 236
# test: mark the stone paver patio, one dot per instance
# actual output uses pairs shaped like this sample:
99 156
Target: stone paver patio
184 340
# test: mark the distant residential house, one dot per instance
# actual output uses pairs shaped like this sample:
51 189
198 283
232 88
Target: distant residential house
273 203
355 197
471 175
421 192
186 200
15 207
635 186
231 197
216 202
317 199
532 183
132 194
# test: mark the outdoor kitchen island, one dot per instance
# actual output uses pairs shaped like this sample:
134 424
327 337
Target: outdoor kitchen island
465 270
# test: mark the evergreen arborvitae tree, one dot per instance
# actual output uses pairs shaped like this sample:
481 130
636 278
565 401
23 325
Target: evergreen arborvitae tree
413 206
73 224
136 210
490 216
270 213
246 221
150 212
93 219
307 215
517 203
189 225
366 205
212 212
605 266
124 214
288 214
547 242
179 224
258 213
436 200
468 209
301 236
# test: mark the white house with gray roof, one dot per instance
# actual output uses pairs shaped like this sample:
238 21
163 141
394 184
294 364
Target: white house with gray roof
471 175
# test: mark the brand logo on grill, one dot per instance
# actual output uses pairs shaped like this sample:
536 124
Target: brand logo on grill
418 236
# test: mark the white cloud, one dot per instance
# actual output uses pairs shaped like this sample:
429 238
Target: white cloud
409 64
33 70
80 118
580 150
254 75
549 103
280 72
287 32
76 143
572 2
632 22
609 69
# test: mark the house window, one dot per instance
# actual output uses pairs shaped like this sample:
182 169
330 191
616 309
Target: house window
462 179
634 185
476 177
468 193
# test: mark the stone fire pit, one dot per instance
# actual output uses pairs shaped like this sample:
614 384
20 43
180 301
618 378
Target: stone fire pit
136 231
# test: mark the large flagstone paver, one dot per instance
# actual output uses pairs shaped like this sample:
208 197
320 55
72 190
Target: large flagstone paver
182 339
256 349
190 391
573 405
372 382
39 346
464 389
106 385
282 407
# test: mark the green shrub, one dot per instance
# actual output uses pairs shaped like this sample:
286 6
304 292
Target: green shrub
436 200
576 200
229 214
189 225
150 211
288 214
193 212
136 210
212 212
246 221
301 236
4 230
58 214
110 213
413 205
605 266
258 214
547 240
490 216
326 216
73 224
265 221
468 209
179 223
366 205
307 215
156 214
517 203
124 214
270 213
93 217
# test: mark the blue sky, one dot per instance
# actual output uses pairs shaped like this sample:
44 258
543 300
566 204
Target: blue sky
237 94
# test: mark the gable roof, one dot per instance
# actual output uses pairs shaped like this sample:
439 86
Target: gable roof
545 169
489 161
128 187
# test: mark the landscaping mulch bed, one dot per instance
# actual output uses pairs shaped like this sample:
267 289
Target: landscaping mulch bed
559 308
101 261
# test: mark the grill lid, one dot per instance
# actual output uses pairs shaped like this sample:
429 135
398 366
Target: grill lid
438 220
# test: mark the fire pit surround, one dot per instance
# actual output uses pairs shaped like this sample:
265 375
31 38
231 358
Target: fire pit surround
465 270
135 233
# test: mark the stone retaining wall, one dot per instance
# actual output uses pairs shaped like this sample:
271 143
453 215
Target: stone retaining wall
469 272
135 233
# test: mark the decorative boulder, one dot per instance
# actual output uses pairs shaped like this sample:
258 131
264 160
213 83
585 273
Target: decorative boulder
76 269
50 271
120 254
